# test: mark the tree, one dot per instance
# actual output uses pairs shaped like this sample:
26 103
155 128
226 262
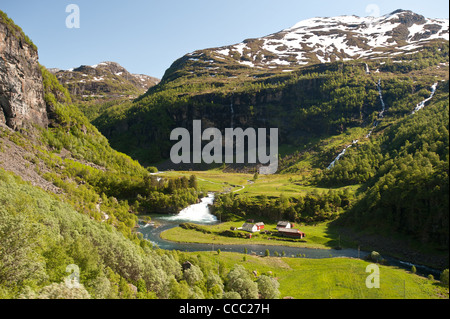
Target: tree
57 291
152 169
193 275
178 290
193 182
231 295
268 287
444 277
413 269
214 285
184 182
18 258
240 281
171 187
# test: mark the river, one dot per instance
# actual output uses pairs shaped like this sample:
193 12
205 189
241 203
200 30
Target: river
200 214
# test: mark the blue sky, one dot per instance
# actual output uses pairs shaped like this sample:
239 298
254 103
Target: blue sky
147 36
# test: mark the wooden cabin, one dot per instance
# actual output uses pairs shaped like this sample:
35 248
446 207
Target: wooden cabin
291 232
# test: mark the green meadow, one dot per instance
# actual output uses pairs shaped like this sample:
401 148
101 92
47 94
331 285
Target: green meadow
332 278
320 236
216 180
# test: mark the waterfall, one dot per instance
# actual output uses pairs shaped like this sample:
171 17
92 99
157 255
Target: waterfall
421 105
341 154
196 213
367 69
381 115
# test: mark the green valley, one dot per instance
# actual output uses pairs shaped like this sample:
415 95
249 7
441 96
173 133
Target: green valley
86 175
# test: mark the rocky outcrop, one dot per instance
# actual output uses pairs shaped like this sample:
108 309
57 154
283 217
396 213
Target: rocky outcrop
103 80
21 90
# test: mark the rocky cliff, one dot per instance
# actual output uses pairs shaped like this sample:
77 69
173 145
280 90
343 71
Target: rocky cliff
21 90
105 80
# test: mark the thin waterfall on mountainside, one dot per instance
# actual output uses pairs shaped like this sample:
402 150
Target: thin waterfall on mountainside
341 154
381 114
421 105
375 124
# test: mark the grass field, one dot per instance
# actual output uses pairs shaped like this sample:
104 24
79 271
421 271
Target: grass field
318 236
335 278
291 185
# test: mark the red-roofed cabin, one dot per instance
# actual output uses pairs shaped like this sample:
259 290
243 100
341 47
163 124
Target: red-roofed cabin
260 226
290 232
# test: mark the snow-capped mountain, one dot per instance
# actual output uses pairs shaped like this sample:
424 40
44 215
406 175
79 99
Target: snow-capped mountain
105 77
336 38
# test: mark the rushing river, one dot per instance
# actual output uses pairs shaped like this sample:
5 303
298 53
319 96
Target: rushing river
200 214
197 213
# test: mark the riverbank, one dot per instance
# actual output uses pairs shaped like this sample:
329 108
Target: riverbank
399 248
323 236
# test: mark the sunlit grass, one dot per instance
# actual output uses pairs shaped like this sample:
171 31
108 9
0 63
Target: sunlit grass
333 278
290 185
320 236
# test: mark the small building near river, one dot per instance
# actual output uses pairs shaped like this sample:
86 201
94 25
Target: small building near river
284 224
253 227
291 232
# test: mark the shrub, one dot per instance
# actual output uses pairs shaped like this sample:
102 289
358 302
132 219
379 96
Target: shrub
444 277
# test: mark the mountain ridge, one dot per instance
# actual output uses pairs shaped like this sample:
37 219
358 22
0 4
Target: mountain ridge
323 40
292 96
103 79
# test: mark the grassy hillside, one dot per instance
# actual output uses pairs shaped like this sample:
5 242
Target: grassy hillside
44 239
406 188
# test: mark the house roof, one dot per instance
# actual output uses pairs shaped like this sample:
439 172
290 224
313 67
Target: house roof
259 224
289 230
248 225
282 223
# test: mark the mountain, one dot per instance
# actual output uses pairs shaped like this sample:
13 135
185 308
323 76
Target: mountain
103 80
339 38
252 84
321 40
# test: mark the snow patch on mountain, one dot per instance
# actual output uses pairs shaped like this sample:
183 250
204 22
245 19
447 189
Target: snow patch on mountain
339 38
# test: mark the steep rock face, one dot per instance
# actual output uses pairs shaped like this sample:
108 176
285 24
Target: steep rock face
21 90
